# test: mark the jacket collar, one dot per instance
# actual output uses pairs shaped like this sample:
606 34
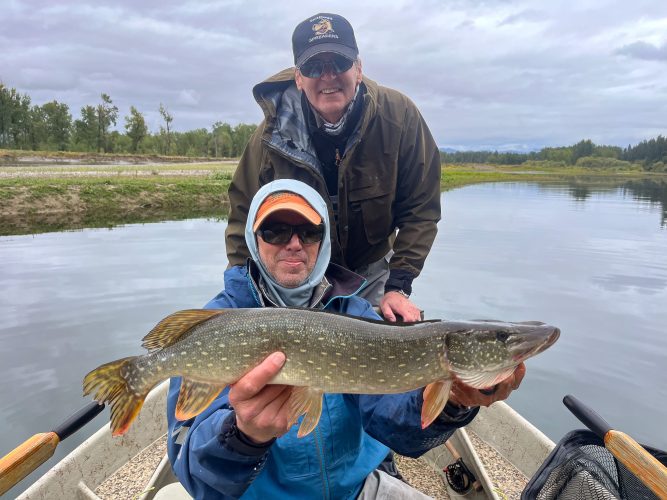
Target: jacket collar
286 129
338 283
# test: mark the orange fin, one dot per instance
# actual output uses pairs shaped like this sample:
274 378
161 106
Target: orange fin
172 328
110 387
305 400
194 397
436 395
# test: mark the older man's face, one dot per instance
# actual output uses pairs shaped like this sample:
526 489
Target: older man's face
289 264
330 93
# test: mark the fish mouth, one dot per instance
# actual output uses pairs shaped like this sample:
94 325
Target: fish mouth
535 344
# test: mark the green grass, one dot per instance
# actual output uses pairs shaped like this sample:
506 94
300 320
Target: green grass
52 198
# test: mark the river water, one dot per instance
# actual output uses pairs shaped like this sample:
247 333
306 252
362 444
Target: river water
591 260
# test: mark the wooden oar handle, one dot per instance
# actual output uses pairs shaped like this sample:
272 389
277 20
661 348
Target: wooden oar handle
25 458
640 462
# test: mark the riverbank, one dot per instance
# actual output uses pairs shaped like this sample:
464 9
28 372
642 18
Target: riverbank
66 191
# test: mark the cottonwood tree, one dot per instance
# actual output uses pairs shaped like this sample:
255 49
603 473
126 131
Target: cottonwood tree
168 118
136 129
107 114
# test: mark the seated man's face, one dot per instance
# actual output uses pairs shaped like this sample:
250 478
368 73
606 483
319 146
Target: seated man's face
290 263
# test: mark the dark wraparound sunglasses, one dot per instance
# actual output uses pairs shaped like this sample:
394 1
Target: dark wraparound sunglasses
315 68
279 234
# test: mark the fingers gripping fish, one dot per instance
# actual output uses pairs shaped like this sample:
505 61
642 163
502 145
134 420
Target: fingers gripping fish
325 353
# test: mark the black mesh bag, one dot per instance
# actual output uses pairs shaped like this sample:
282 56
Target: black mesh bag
581 468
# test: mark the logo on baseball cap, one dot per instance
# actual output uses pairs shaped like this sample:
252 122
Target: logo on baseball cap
323 33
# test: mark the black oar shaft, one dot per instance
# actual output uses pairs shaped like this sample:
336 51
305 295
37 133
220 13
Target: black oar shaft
587 416
78 420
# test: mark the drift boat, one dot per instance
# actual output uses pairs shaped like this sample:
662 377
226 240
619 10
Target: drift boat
80 473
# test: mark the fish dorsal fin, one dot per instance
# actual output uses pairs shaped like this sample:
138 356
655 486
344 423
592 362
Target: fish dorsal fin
171 328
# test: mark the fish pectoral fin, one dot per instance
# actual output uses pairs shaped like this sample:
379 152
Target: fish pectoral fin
484 380
305 400
436 395
194 397
171 328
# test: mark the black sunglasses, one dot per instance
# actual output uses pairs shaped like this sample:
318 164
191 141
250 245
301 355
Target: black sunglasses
315 68
279 234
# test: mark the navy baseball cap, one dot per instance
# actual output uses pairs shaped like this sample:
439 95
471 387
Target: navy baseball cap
323 33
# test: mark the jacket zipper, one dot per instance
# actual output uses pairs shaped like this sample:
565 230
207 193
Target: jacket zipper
323 472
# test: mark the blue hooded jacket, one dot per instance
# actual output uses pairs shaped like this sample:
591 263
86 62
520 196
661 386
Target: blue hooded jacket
353 436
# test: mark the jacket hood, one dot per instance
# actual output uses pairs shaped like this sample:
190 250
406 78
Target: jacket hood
299 296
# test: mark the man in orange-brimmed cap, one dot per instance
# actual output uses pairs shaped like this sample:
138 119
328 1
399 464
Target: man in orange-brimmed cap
244 445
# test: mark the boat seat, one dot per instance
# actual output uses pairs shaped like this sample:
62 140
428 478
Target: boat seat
164 484
173 491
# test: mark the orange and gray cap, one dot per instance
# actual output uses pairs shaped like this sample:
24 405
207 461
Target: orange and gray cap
285 200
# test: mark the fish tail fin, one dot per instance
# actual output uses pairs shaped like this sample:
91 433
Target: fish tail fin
109 386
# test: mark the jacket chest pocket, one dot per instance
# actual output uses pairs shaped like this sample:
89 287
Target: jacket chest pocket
371 207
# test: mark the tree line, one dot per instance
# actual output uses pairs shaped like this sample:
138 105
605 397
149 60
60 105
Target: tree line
650 154
51 127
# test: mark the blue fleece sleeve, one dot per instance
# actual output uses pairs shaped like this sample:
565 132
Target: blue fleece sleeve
207 461
395 421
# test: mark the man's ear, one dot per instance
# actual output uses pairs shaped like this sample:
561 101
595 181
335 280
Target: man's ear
298 79
359 75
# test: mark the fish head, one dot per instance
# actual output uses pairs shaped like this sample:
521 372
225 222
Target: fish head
483 353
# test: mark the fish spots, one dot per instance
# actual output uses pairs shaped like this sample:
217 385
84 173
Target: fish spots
189 365
221 346
320 338
338 354
210 365
345 372
303 350
363 366
382 380
246 355
406 374
378 371
223 359
184 353
401 365
323 353
204 353
198 342
333 364
353 358
310 362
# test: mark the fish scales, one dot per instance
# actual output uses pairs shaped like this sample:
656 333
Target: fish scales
332 356
325 353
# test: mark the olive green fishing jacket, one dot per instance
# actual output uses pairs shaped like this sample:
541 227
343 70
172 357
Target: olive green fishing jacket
388 179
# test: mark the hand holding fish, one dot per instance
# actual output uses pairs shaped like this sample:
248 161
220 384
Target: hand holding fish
395 303
261 412
464 395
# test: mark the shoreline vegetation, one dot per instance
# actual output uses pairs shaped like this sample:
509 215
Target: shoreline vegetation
45 192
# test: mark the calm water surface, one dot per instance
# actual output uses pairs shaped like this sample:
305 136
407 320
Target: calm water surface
592 262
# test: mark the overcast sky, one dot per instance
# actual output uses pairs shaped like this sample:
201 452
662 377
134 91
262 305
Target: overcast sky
505 74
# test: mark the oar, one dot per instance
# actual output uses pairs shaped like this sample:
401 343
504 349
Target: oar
32 453
630 453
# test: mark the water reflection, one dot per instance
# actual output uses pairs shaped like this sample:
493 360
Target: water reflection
589 258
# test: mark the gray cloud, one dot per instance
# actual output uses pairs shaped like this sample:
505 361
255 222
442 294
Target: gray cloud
644 50
484 73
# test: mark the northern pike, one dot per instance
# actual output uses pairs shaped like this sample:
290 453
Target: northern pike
325 353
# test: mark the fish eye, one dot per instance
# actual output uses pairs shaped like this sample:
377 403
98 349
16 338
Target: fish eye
502 336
